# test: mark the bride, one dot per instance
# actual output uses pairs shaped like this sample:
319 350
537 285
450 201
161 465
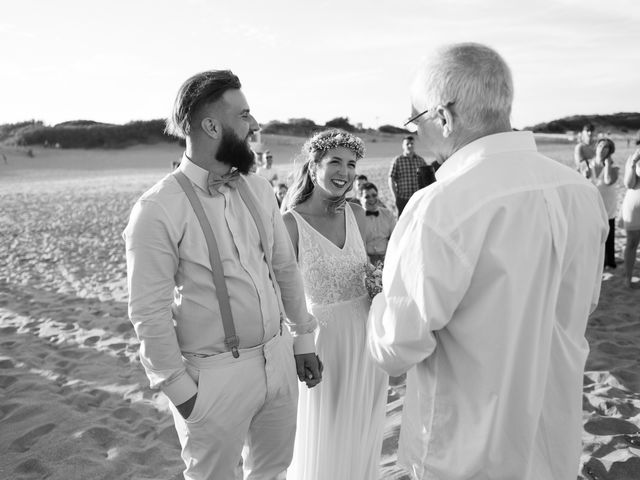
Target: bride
340 422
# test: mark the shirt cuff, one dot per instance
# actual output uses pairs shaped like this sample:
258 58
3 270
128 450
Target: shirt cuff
304 343
181 389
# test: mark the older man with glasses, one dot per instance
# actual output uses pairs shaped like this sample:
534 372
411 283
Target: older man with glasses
489 279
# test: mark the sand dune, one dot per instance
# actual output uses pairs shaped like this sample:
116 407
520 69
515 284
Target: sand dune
74 402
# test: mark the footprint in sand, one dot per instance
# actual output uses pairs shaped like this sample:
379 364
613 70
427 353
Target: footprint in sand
91 340
32 466
26 441
73 353
127 414
598 425
104 437
7 380
6 362
124 327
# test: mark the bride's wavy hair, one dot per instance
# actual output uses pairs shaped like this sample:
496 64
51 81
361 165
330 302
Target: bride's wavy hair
313 151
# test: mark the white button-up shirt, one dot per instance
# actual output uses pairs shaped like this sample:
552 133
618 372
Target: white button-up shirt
490 276
172 299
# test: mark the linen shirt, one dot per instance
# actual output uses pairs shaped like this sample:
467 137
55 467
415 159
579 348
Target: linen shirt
404 171
378 232
490 276
172 299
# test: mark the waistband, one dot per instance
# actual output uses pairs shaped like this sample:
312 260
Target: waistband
227 358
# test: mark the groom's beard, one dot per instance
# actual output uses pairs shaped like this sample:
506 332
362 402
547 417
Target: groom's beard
235 152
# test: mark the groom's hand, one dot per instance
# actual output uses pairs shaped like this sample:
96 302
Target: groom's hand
309 368
186 408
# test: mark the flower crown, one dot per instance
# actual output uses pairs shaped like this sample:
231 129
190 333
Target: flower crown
335 138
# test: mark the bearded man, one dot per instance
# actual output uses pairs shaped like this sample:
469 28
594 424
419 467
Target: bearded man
212 276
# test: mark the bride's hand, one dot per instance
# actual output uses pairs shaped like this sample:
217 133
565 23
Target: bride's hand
309 368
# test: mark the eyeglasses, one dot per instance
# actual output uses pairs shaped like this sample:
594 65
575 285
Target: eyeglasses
371 195
415 117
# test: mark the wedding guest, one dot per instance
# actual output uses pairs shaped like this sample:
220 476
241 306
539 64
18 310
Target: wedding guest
489 278
403 175
210 330
584 150
280 191
379 222
604 175
357 190
340 422
630 214
266 170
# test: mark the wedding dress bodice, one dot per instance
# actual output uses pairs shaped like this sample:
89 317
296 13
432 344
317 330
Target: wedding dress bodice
331 274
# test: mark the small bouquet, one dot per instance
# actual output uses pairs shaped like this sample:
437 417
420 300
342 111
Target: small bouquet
373 279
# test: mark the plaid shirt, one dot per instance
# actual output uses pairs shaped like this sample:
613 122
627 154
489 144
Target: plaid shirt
404 171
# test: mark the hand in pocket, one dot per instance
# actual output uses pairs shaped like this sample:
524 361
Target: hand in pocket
186 408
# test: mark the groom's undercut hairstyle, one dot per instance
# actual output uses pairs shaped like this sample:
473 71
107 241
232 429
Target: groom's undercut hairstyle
474 80
201 89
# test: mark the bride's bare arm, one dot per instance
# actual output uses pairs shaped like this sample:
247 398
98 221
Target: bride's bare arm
292 228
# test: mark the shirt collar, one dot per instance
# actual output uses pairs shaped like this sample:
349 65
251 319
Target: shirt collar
196 174
483 148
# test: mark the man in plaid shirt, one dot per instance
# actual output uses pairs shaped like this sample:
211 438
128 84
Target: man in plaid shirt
403 176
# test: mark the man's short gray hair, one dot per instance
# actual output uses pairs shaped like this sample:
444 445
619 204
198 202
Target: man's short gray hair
472 77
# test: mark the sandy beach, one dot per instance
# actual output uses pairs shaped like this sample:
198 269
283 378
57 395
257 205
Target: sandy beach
74 400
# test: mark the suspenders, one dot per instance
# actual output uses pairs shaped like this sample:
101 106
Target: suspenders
231 340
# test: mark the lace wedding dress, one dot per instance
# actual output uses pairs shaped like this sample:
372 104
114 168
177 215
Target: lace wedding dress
341 420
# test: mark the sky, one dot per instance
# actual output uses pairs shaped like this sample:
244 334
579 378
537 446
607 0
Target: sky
121 60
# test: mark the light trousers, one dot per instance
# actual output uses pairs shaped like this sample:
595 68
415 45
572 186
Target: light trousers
249 402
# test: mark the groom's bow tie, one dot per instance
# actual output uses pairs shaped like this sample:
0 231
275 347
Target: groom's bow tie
375 214
216 181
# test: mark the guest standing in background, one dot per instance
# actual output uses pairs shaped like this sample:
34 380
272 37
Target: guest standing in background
379 221
584 150
604 175
357 188
403 175
630 215
266 170
280 190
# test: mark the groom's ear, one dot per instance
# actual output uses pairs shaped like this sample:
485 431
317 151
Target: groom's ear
212 127
445 120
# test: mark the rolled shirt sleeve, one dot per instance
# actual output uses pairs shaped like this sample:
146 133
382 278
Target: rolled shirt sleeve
152 262
420 293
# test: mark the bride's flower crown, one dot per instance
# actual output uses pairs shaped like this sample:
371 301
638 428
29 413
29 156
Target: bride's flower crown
335 138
